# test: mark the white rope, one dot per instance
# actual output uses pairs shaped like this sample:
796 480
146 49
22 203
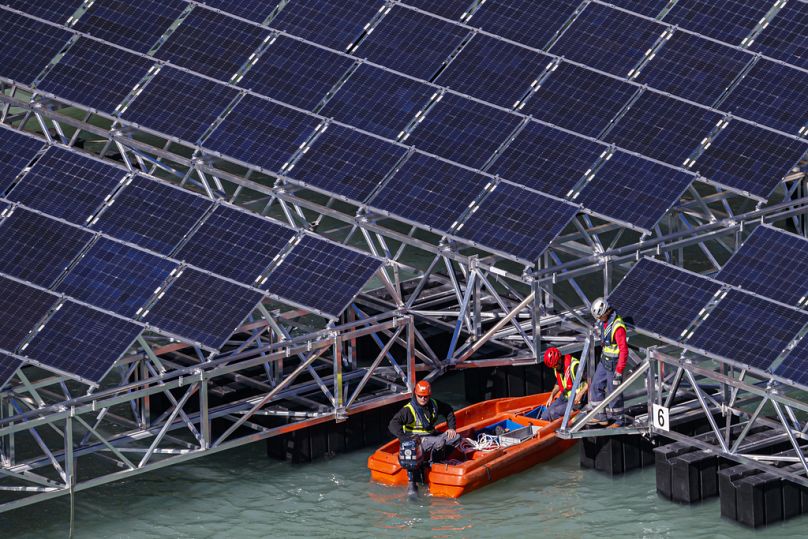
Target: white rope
484 442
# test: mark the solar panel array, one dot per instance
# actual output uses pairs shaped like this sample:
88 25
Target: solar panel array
16 152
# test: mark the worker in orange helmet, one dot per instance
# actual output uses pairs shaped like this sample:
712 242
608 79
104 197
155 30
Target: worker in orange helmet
565 376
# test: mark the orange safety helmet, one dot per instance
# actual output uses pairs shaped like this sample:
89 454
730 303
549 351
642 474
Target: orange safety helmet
423 389
552 356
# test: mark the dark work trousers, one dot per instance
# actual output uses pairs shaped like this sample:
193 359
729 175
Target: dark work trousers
602 387
555 410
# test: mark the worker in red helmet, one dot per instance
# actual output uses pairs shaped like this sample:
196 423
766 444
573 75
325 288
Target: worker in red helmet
565 376
419 417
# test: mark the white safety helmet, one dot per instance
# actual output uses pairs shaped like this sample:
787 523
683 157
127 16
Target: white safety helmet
599 307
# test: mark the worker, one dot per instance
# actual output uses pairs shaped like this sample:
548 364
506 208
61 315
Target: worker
418 418
565 376
613 356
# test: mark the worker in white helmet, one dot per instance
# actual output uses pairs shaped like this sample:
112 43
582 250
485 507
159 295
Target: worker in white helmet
614 354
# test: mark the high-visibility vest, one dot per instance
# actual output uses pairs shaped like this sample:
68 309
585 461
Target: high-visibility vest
610 348
566 379
415 426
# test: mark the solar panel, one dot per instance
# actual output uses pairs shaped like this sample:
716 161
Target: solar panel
16 151
378 101
211 44
262 133
36 248
607 39
333 23
295 72
179 104
235 244
8 366
517 222
525 21
772 263
451 9
785 37
411 42
748 329
67 185
694 68
116 277
726 20
649 8
663 128
203 308
750 158
595 99
96 75
28 46
152 214
795 365
430 192
21 309
771 94
134 25
652 189
321 275
662 299
464 131
547 159
82 341
493 70
347 162
253 10
49 10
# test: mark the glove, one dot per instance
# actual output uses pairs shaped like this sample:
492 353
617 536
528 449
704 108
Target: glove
617 379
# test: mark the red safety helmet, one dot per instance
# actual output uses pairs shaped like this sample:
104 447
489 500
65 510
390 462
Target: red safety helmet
423 389
552 356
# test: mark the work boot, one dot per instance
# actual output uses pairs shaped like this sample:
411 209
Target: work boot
412 490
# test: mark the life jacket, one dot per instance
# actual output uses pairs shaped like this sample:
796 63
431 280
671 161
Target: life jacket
610 348
417 425
565 379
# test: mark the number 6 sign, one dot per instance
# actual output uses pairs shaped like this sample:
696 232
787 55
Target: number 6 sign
660 418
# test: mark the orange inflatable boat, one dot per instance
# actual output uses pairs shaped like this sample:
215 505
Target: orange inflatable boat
513 438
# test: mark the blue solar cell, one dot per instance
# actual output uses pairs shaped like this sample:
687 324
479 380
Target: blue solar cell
649 8
22 307
547 159
296 73
38 249
253 10
663 128
321 275
430 192
28 46
748 329
516 221
652 189
95 75
595 99
333 23
203 308
785 37
8 366
772 263
49 10
82 341
525 21
771 94
152 214
116 277
347 162
16 151
211 44
236 244
607 39
493 70
795 365
662 299
411 42
134 25
750 158
262 133
378 101
463 130
67 185
451 9
694 68
726 20
179 104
